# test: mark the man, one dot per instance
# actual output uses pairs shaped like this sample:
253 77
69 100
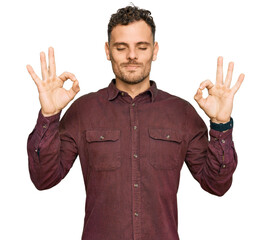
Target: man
132 138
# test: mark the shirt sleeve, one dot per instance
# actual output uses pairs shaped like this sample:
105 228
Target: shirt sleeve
212 163
51 149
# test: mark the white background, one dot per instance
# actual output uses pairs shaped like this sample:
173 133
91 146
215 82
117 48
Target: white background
191 35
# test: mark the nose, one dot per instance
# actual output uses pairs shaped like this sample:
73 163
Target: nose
131 54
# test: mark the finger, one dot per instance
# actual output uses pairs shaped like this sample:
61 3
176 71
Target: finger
238 84
33 74
67 75
206 84
43 64
219 71
74 89
199 97
52 64
229 75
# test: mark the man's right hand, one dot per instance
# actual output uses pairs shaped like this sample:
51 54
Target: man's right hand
53 97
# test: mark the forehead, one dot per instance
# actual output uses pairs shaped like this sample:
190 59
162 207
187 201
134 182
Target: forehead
138 31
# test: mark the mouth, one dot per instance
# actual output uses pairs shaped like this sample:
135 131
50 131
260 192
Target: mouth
131 67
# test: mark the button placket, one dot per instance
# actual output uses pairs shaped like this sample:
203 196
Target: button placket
135 163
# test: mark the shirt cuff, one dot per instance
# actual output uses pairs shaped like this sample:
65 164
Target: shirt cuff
221 139
221 142
43 123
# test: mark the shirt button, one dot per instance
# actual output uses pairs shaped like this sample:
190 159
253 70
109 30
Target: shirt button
133 104
44 126
223 141
135 185
135 127
168 136
101 137
135 156
122 93
223 166
136 214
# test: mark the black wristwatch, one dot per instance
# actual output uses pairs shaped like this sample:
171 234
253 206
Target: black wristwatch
221 126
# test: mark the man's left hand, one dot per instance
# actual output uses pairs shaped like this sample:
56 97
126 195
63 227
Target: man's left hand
219 103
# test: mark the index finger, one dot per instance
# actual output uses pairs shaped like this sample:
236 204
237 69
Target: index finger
52 64
67 75
219 71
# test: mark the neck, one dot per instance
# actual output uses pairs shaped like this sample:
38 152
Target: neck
133 89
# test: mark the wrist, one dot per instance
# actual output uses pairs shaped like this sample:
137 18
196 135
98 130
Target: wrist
49 114
214 120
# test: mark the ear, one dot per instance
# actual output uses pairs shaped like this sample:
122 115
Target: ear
155 51
107 52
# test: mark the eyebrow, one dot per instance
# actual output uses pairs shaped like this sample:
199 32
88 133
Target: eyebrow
125 44
143 43
120 43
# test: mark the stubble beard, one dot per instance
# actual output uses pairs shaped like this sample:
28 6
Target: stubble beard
132 80
134 76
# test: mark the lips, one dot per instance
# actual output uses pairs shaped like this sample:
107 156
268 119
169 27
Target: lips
130 63
132 66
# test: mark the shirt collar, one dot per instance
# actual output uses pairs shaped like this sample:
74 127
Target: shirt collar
113 92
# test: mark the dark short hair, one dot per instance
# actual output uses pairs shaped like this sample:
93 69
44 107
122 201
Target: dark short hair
130 14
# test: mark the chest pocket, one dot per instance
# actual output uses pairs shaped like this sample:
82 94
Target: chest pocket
164 148
104 149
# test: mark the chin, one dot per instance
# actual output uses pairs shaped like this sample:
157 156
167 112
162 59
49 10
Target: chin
132 81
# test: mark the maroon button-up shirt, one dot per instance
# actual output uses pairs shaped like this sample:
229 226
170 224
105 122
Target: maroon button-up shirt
131 152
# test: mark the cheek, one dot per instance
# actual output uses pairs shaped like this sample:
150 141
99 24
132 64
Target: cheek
147 56
148 59
115 64
113 60
117 60
117 55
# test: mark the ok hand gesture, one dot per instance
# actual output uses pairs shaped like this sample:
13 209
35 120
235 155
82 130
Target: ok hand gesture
219 103
53 97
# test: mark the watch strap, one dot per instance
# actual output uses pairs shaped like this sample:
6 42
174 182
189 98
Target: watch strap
221 126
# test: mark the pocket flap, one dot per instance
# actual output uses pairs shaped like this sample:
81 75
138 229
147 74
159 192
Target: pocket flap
165 134
102 135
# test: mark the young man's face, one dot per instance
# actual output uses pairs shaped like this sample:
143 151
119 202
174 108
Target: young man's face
131 52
